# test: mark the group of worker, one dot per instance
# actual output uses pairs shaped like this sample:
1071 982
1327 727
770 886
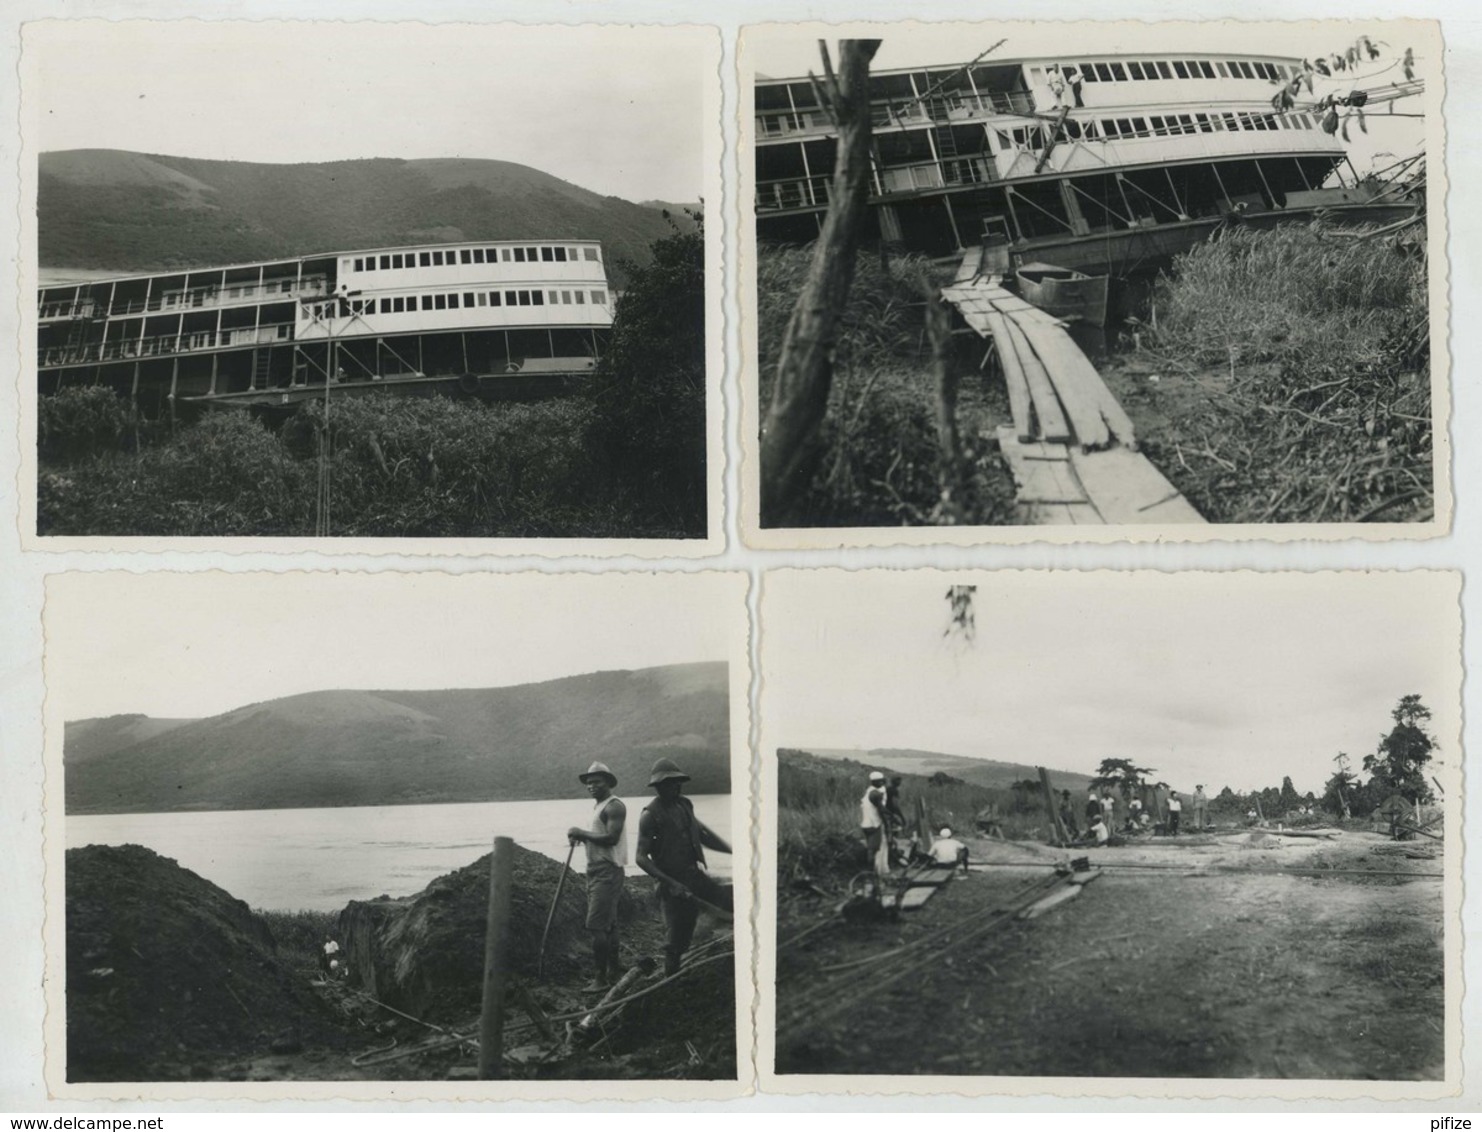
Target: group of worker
1103 825
671 848
881 821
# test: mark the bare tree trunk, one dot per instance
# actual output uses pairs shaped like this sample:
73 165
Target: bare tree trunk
949 441
790 449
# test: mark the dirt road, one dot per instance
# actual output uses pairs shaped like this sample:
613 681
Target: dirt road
1150 972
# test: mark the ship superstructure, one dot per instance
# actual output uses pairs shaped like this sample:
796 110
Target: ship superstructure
1089 162
462 315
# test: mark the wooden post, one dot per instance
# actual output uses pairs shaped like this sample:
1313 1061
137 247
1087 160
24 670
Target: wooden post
790 448
1061 837
496 960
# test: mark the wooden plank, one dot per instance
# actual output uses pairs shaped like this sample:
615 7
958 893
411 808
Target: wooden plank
1047 404
1039 481
1062 360
1013 379
1084 878
1061 837
1054 900
1127 489
914 898
968 268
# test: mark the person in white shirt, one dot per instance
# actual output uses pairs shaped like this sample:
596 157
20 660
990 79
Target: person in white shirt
607 859
1175 812
872 824
947 850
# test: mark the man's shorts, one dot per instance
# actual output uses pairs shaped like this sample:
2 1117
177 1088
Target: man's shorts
604 891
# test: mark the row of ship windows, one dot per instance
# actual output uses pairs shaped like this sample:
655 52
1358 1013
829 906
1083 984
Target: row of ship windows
1162 126
452 257
404 304
1113 72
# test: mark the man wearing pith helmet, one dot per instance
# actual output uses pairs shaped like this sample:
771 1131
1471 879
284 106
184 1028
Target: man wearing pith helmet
607 854
671 849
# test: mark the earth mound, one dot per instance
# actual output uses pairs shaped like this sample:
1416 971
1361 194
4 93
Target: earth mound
167 973
424 954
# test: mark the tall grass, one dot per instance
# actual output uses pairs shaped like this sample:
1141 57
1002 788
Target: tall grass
1291 295
299 935
818 813
1309 355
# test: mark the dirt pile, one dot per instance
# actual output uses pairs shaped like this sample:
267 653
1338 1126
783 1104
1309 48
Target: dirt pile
166 972
424 954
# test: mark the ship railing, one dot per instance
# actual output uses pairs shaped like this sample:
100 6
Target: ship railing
780 196
85 308
935 175
906 112
790 123
198 298
165 344
961 106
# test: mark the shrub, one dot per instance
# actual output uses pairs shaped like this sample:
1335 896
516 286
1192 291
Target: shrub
82 421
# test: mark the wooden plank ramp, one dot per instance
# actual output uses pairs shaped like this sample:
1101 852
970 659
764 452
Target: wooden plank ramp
923 885
1071 447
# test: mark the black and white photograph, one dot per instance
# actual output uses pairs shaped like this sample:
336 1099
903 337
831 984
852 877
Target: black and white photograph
413 281
486 838
1179 280
1138 833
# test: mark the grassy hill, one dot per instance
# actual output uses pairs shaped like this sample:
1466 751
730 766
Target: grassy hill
362 748
980 772
104 208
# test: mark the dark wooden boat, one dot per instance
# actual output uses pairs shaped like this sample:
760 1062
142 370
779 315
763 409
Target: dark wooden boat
1063 292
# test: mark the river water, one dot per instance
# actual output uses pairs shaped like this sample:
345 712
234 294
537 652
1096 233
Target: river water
322 859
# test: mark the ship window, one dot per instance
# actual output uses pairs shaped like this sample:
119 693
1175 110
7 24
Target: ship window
493 298
581 297
1088 72
560 255
1124 126
1243 70
599 296
1135 70
360 265
1103 72
426 302
504 254
283 331
468 298
1206 69
575 255
1204 126
491 255
1265 71
590 253
566 297
532 254
1179 69
478 255
482 300
1187 123
1118 73
385 263
424 259
524 298
548 255
511 299
370 263
395 261
453 301
440 302
465 256
385 305
519 255
537 298
1163 70
1139 126
1215 123
1220 67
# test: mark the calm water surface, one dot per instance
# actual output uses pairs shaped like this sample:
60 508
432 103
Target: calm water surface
322 859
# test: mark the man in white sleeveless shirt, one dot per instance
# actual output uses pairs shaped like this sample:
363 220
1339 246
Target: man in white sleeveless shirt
607 855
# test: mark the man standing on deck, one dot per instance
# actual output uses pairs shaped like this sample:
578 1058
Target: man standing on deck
1175 811
671 849
1201 804
607 854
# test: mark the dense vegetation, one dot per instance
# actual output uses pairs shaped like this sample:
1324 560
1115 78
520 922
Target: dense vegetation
136 212
1306 391
625 460
818 811
880 460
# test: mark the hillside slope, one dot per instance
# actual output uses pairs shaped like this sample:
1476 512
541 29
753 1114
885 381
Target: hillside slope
980 772
103 208
363 748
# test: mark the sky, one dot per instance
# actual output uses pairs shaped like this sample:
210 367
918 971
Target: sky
1222 679
196 644
790 54
618 111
